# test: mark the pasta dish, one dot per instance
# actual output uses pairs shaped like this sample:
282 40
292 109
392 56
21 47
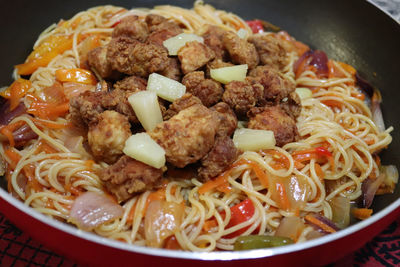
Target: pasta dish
191 129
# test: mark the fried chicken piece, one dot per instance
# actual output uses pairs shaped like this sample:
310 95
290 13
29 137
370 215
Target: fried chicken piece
221 156
240 51
187 100
275 119
128 177
194 55
271 50
208 90
187 136
157 23
131 84
85 107
107 135
132 57
276 86
173 70
131 27
227 119
117 100
292 105
241 96
97 59
163 31
213 36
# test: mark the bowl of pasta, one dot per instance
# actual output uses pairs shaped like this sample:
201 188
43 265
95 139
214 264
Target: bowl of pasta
201 133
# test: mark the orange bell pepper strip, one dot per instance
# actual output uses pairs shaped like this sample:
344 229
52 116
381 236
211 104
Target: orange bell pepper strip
76 75
16 91
44 53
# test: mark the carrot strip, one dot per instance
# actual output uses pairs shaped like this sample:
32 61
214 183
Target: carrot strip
46 148
283 198
319 171
320 224
209 224
362 213
13 156
219 181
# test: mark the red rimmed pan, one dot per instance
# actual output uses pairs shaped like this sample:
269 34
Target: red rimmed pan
355 32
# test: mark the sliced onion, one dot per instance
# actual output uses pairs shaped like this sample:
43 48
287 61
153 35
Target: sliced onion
91 210
320 61
6 116
290 227
364 85
72 89
24 134
162 220
376 111
369 188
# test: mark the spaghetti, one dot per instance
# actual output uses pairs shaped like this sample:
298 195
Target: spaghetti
334 155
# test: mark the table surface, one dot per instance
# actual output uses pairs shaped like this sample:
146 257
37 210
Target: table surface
19 249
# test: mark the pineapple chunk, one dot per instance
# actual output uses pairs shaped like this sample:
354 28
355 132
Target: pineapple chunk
227 74
254 140
143 148
165 88
303 93
147 109
173 44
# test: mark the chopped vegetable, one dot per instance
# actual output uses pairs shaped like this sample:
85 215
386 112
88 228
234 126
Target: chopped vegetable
165 88
321 223
340 211
290 227
44 53
162 220
143 148
76 75
91 210
175 43
260 241
304 93
72 89
16 91
227 74
369 187
241 212
147 109
6 116
242 33
316 61
362 213
390 181
256 26
253 140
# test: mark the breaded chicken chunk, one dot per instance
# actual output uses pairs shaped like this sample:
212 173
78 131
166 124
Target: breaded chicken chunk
127 177
271 50
187 136
208 90
107 135
240 51
275 119
221 156
194 55
132 27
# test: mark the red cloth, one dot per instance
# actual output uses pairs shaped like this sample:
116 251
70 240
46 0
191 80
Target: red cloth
18 249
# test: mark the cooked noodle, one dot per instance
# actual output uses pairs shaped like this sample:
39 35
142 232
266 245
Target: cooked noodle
344 128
